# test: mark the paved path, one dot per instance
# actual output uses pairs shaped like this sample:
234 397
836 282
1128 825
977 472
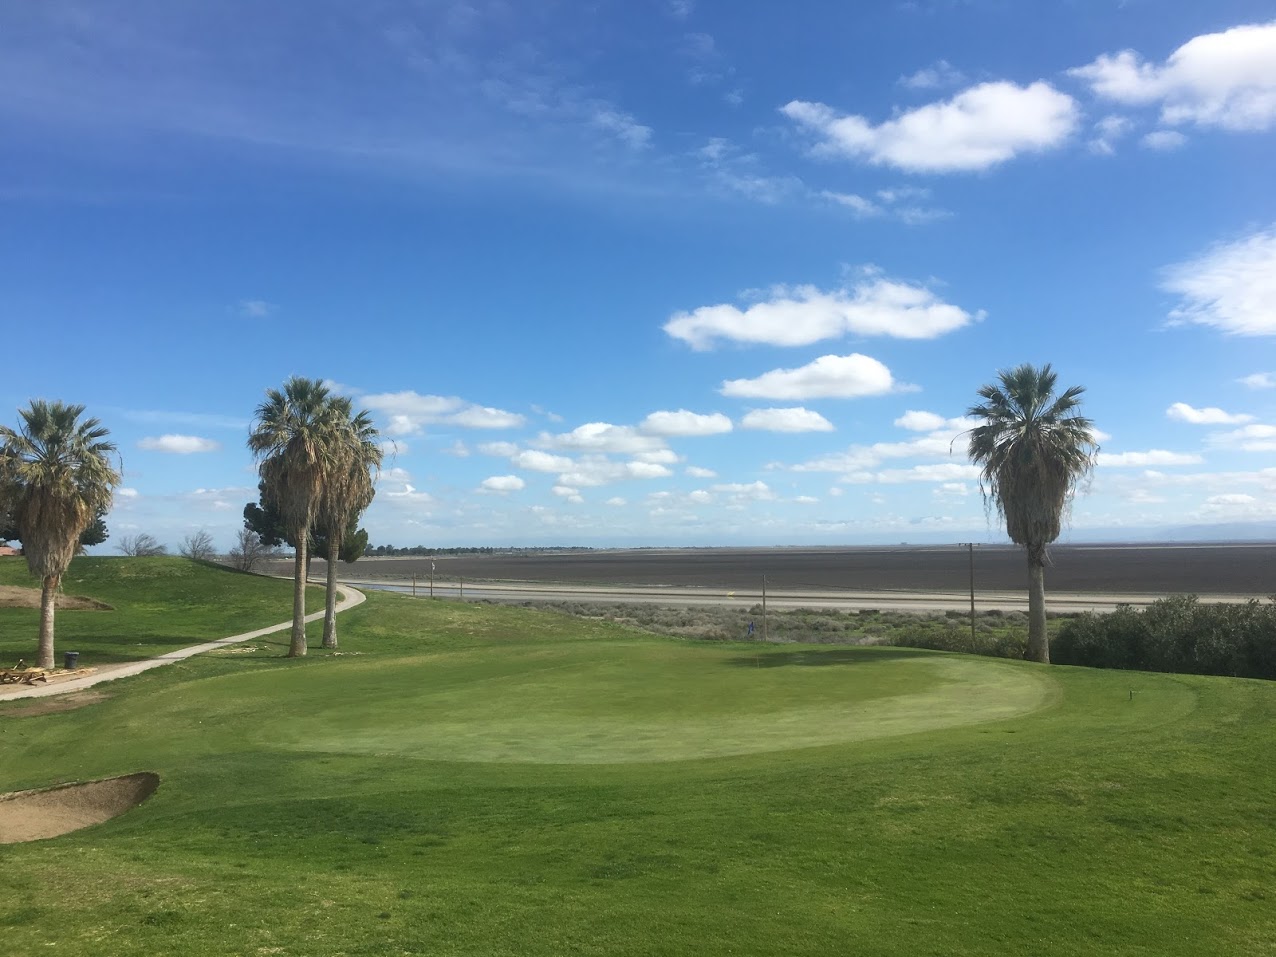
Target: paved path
347 598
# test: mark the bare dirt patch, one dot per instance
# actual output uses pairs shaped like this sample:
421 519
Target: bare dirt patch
16 596
66 702
36 815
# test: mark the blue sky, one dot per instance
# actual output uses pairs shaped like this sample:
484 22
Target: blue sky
661 272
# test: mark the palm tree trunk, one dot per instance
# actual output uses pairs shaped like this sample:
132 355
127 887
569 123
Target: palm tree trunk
330 598
1038 641
48 603
297 649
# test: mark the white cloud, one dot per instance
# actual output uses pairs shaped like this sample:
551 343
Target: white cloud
805 314
590 471
623 126
536 461
1182 412
1150 457
659 457
1232 499
603 437
178 444
1223 79
841 377
408 412
806 500
684 423
126 493
502 450
1164 140
978 128
457 449
786 420
570 494
887 204
616 502
1106 132
938 75
920 421
1232 287
502 484
1248 438
944 472
390 447
1259 380
696 471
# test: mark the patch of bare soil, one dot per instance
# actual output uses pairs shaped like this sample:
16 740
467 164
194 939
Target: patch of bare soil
36 815
66 702
17 596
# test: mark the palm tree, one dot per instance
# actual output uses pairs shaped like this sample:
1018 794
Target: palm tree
56 476
294 437
348 490
1033 449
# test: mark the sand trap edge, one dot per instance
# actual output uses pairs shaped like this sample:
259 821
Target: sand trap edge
51 812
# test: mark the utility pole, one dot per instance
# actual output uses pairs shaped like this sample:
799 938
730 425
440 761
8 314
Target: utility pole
462 578
414 584
431 578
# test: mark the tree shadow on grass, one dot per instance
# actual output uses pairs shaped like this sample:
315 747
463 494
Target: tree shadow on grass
837 656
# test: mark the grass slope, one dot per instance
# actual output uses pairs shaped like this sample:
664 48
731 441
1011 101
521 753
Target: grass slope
486 780
159 604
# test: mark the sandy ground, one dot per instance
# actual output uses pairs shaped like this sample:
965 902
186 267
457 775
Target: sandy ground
16 596
36 815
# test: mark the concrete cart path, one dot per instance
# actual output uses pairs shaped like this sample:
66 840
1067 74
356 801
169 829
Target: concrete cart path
347 598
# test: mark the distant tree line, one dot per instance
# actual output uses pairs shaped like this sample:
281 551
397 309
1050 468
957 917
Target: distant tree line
427 551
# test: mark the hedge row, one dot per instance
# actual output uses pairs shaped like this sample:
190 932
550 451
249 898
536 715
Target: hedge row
1177 634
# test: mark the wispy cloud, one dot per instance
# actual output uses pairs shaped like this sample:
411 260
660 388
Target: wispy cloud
178 444
1230 287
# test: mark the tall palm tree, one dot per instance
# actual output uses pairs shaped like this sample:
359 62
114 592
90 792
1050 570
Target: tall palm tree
349 489
1033 449
294 437
56 476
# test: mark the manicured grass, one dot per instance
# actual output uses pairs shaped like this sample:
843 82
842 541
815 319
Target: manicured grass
489 780
159 604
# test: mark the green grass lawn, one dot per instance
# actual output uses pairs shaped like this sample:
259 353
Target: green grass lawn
489 781
158 604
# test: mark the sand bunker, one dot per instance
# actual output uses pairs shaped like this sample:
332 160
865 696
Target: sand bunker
35 815
15 596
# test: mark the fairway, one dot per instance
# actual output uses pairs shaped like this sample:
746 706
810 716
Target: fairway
485 780
626 701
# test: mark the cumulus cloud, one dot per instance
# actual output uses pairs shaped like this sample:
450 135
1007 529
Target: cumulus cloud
178 444
568 493
408 412
943 472
502 484
786 420
590 471
1150 457
603 437
1182 412
977 129
537 461
745 492
695 471
805 314
828 377
1232 287
916 420
1227 79
684 423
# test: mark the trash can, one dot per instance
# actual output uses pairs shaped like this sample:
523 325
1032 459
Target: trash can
71 660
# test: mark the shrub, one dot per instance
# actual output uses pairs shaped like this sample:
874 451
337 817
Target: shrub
1175 634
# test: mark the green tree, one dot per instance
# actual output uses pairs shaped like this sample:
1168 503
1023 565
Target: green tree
347 492
56 475
295 436
1032 449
